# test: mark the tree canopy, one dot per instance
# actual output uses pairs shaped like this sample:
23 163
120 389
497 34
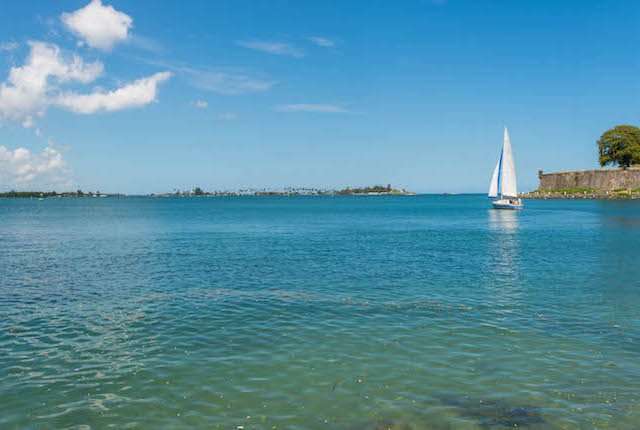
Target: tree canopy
620 145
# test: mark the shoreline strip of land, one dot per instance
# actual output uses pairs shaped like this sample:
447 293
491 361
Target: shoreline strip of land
577 193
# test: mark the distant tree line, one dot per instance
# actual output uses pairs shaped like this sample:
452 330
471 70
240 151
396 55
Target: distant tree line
365 190
39 194
198 191
29 194
288 191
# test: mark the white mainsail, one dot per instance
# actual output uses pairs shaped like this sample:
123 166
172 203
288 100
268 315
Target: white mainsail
508 181
493 188
503 181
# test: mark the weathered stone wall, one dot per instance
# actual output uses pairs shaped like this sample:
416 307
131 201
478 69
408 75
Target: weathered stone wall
604 179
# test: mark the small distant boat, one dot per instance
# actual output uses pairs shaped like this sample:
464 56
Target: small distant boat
503 190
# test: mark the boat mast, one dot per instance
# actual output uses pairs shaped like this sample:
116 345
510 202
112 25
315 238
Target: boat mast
500 173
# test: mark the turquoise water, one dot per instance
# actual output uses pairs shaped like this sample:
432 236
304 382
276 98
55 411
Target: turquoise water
349 312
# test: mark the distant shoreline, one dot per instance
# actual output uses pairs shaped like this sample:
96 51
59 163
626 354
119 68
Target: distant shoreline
153 196
582 194
289 192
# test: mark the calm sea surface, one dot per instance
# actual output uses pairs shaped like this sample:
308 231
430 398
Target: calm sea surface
425 312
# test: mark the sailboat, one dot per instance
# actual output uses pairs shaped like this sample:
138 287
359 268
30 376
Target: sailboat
503 190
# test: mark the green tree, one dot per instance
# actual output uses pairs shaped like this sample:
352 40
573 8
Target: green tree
198 191
620 145
79 192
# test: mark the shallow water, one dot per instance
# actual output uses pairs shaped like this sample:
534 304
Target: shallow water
317 312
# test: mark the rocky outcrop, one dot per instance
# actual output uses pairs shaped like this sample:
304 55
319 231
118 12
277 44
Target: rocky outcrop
602 179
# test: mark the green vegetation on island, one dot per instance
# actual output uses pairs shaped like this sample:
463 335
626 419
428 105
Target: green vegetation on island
52 194
584 193
292 191
200 192
571 190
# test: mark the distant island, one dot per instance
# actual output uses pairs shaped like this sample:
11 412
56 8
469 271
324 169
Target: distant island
376 190
54 194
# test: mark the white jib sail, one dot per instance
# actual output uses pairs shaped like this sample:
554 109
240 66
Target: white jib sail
508 170
493 188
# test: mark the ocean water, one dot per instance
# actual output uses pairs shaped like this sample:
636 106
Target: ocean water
410 312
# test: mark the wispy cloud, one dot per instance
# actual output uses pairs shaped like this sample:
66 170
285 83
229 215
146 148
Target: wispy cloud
322 108
227 116
276 48
146 43
8 46
321 41
215 79
201 104
224 81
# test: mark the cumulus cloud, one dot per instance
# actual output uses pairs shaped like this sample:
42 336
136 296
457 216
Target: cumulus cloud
30 89
201 104
312 108
135 94
321 41
26 92
22 169
99 26
277 48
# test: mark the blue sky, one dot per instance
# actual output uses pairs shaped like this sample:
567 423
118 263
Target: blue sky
141 97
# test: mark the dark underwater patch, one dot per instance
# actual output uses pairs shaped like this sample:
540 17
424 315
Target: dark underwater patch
497 413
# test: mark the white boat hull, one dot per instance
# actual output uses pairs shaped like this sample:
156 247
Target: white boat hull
506 204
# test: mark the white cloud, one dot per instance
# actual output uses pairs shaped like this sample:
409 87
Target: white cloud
321 41
277 48
99 26
28 122
227 116
312 108
224 82
28 89
23 169
9 46
135 94
201 104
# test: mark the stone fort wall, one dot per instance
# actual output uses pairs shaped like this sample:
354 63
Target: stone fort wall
602 179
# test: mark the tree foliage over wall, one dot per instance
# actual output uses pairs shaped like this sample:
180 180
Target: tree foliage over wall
620 146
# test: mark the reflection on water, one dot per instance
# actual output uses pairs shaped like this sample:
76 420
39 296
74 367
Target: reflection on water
504 221
504 252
